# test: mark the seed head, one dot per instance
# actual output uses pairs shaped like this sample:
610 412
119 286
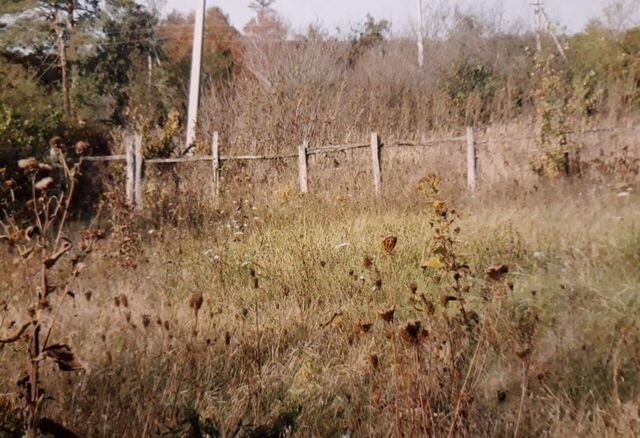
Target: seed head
365 327
388 314
374 361
28 163
81 147
496 272
389 244
413 333
196 302
44 183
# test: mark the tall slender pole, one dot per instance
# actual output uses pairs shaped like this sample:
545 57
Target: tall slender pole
215 161
376 163
196 66
553 35
538 11
131 169
420 35
471 160
303 165
139 162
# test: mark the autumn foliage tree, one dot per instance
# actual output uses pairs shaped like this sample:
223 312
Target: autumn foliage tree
221 52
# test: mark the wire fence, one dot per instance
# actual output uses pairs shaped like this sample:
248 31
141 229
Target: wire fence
135 162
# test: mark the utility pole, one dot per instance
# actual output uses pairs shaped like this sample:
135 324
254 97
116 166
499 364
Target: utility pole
541 16
420 35
537 9
196 68
554 36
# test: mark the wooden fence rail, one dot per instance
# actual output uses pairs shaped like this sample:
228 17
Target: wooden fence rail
135 161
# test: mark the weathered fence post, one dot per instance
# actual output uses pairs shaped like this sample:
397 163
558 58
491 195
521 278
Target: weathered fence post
303 166
131 169
215 163
471 160
375 162
139 159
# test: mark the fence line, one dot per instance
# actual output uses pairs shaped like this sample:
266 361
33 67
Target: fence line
135 161
430 142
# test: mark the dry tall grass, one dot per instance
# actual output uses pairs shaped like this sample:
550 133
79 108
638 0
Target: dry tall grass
275 320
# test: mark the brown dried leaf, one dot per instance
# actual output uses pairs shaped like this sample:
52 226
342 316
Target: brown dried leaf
64 357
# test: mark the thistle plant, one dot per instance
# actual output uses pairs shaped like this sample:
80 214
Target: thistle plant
438 344
38 239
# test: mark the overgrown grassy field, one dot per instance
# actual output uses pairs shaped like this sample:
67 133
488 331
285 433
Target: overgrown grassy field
292 318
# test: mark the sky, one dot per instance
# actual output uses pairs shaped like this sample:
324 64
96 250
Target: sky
571 15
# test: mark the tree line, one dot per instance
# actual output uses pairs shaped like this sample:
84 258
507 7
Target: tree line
80 68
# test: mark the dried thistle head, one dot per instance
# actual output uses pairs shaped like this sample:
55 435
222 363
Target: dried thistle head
365 327
28 164
497 272
81 147
374 361
389 244
413 287
44 183
56 142
387 315
195 302
413 333
367 263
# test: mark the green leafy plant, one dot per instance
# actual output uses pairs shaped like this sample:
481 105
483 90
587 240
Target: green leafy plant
552 108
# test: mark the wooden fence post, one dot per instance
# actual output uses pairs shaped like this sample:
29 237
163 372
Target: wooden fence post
131 169
215 163
303 166
471 160
139 160
375 162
